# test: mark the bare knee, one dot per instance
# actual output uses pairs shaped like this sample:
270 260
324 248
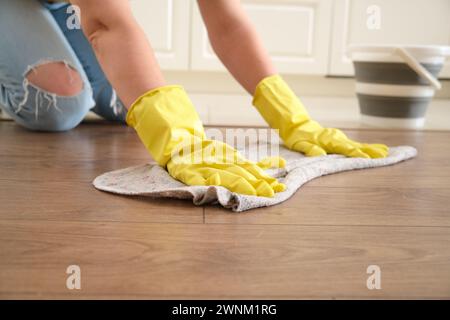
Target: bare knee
57 78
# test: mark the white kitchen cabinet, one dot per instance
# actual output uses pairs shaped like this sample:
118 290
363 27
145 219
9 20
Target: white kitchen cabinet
166 24
415 22
295 32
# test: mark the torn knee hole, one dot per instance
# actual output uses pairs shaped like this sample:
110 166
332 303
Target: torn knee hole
55 77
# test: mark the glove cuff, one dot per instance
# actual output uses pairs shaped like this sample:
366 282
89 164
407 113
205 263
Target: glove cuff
131 118
279 105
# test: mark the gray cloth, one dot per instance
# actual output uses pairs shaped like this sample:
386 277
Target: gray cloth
153 181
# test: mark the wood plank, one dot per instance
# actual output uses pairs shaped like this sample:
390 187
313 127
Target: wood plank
430 169
36 169
49 176
412 193
80 201
414 173
126 260
86 142
348 206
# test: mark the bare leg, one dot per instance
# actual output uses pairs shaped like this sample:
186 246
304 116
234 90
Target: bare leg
121 47
235 41
57 78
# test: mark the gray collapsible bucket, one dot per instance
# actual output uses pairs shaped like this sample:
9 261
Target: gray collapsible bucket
395 84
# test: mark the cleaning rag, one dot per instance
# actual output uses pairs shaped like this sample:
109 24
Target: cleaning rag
153 181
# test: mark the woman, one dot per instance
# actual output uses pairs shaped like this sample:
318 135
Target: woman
51 76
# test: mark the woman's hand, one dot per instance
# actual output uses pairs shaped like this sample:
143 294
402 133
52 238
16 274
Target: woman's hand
312 139
207 162
170 128
282 110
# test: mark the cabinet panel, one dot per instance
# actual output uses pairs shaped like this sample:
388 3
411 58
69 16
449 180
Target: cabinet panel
296 34
166 23
414 22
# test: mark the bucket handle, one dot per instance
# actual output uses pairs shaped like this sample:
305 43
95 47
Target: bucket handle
418 68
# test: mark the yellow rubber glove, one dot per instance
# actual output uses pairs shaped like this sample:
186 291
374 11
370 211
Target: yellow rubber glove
169 127
282 110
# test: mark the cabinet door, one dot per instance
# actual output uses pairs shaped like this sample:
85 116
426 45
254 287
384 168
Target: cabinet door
166 24
295 32
414 22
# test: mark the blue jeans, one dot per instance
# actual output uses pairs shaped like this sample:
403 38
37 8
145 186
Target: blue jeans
33 33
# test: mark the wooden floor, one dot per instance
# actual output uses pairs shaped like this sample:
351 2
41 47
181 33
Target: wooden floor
318 244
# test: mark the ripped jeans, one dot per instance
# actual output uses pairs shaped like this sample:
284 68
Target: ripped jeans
35 33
